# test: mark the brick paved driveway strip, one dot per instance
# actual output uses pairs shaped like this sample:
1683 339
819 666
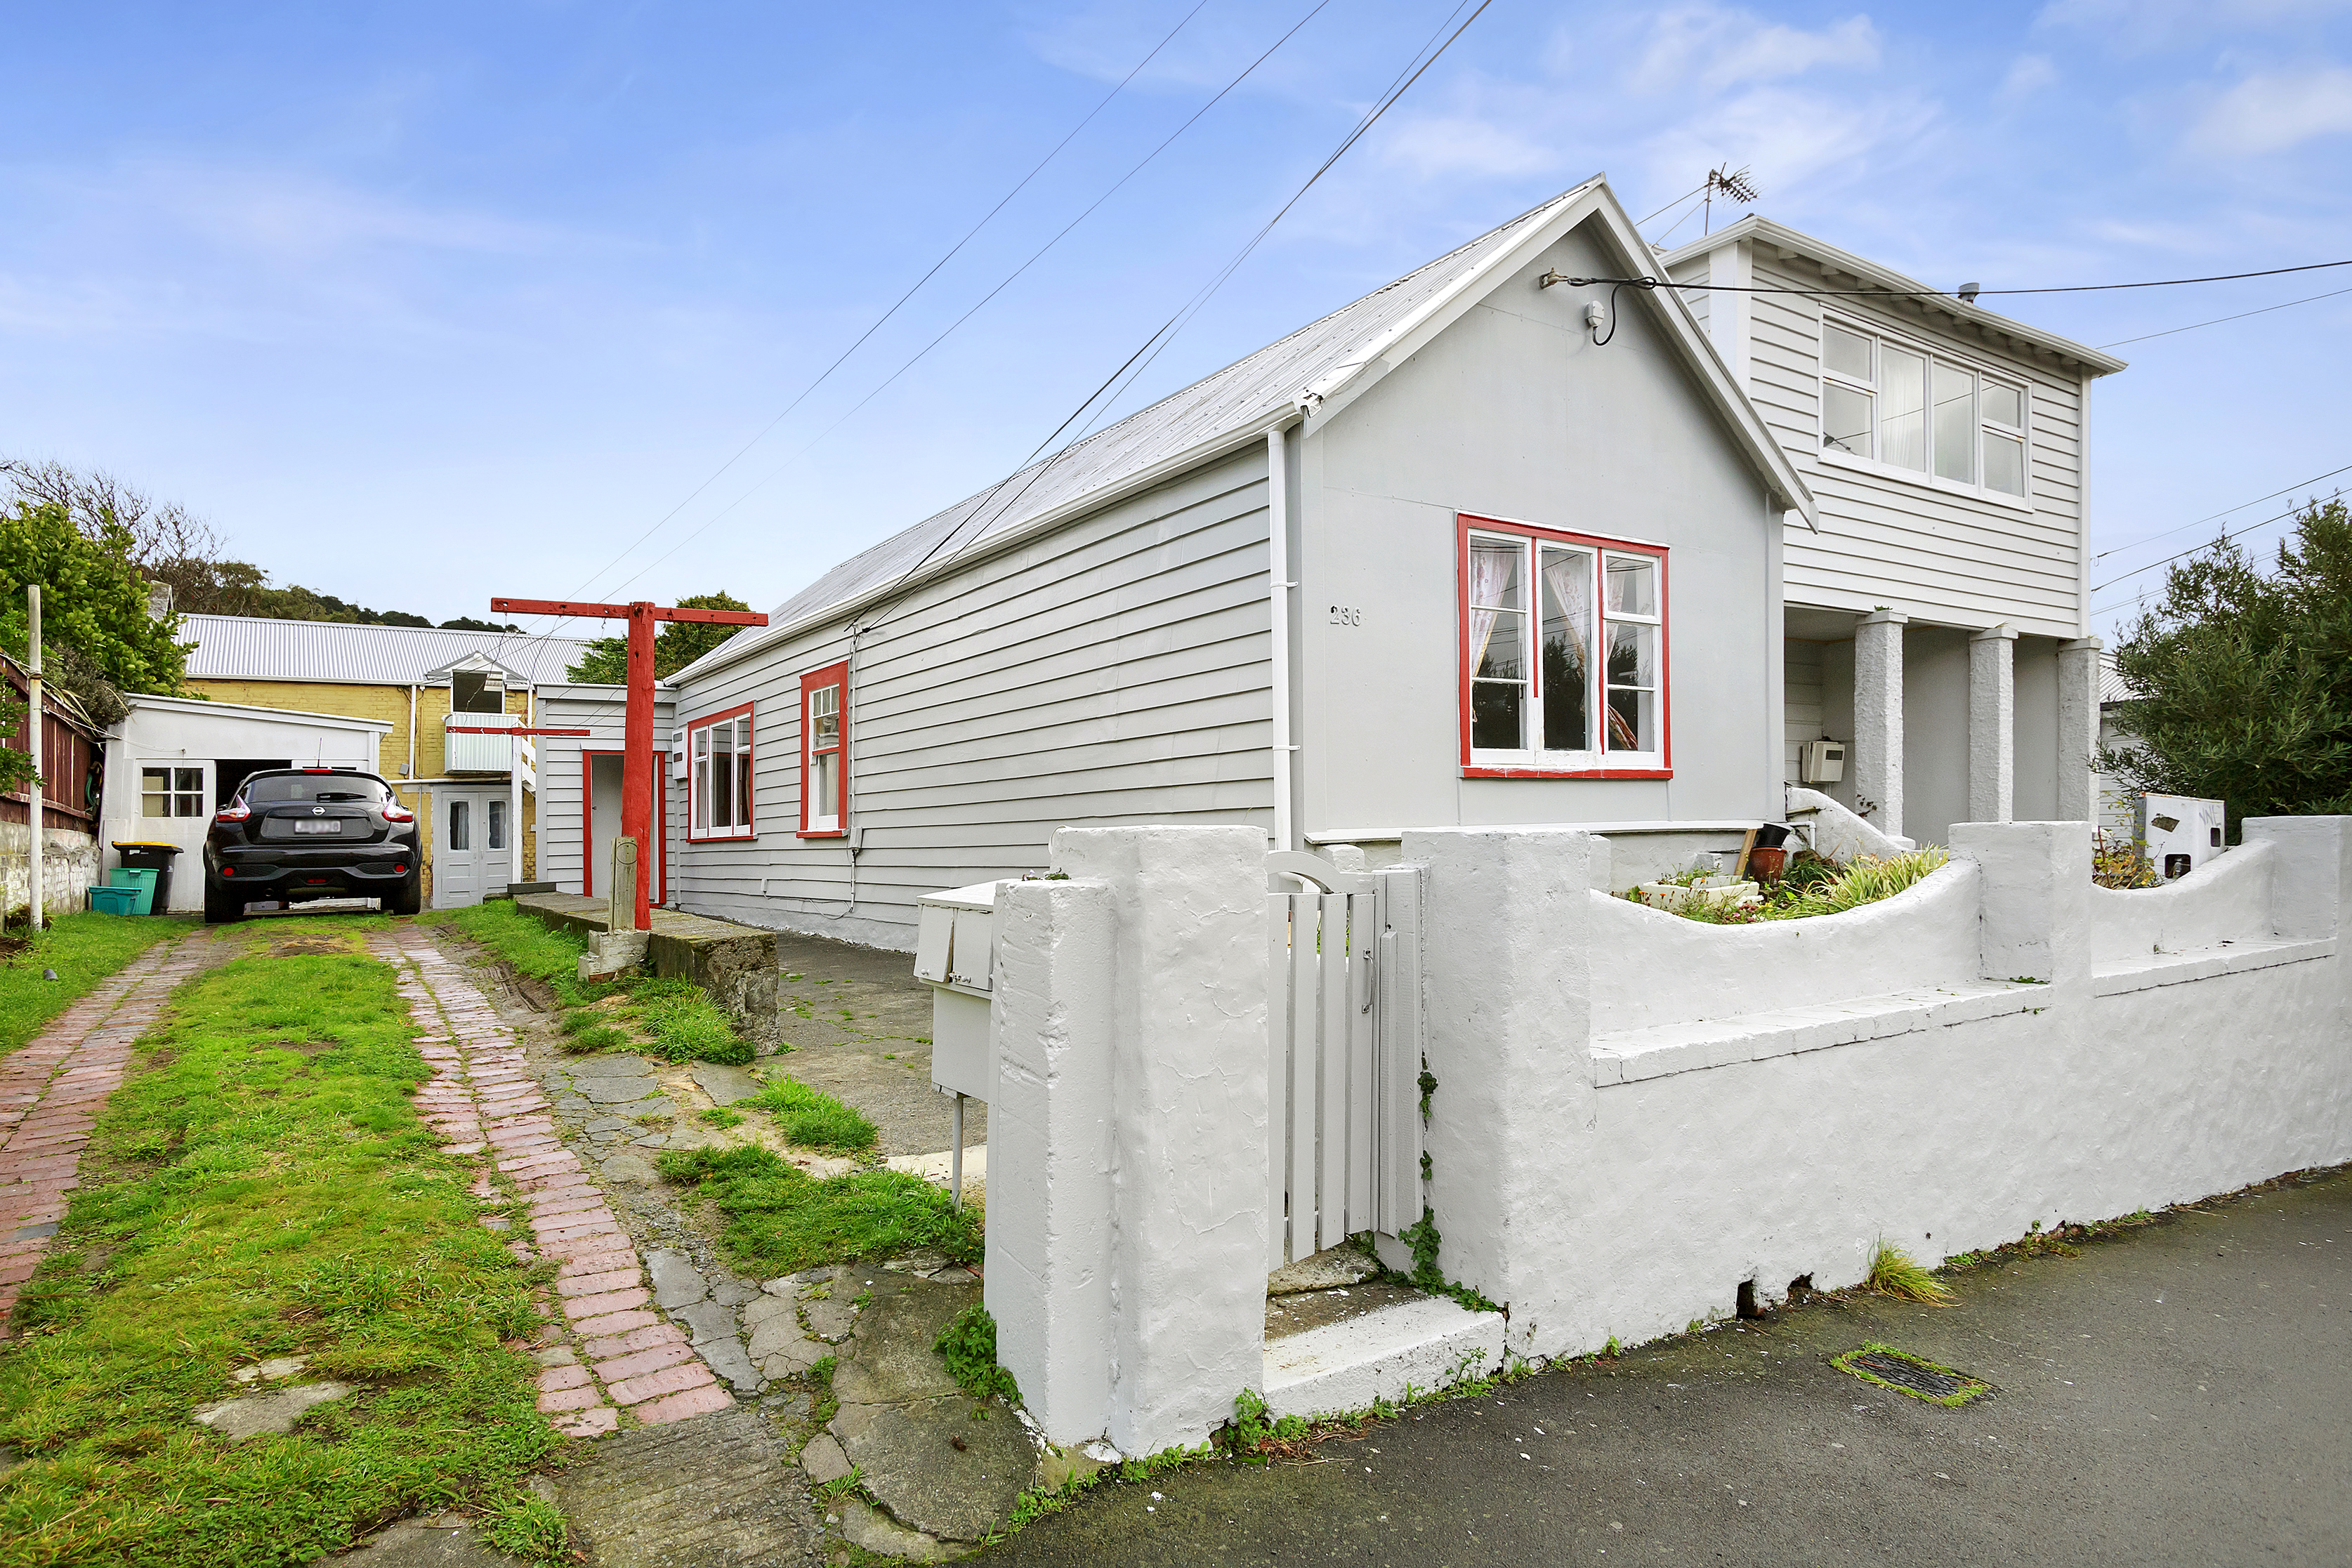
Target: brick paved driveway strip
484 1100
52 1089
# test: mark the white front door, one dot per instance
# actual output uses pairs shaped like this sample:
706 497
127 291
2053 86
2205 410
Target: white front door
469 846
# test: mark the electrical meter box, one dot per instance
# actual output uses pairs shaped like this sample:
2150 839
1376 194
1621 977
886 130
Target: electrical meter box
2181 832
1820 762
678 765
955 954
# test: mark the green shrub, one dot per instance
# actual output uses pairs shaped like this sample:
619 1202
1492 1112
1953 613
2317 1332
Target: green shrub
1818 887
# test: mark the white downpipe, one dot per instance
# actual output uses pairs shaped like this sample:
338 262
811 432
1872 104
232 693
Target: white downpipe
1277 594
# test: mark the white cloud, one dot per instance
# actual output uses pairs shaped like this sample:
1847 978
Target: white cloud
1794 140
2029 74
2274 113
1713 48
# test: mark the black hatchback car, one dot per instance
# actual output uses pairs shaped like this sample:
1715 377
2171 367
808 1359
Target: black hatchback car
294 835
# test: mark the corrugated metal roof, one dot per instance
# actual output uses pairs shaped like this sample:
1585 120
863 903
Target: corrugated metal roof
1247 392
2112 687
250 648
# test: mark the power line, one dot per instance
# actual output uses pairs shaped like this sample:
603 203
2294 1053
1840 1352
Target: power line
912 290
2224 512
1175 323
983 300
2218 320
1370 118
1947 293
2196 549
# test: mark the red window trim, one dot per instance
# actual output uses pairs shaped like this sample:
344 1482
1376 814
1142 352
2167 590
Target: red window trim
1464 523
835 674
588 819
750 827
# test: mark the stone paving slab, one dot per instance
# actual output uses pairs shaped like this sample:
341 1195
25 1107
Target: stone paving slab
52 1088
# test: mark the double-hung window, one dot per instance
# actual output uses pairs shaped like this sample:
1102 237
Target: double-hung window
719 779
1563 653
1888 402
824 752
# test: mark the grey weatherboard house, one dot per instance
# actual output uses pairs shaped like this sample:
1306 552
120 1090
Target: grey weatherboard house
1530 571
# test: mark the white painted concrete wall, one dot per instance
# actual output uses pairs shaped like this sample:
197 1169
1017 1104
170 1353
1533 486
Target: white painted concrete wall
1634 1114
1907 1095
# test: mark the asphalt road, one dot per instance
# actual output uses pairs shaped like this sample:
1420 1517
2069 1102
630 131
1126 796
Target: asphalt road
2180 1394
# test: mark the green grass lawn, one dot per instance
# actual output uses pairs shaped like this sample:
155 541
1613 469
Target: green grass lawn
83 949
261 1187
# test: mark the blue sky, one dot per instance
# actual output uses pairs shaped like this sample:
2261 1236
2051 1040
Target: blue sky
425 302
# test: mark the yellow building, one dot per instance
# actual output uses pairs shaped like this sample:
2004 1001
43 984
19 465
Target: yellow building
445 694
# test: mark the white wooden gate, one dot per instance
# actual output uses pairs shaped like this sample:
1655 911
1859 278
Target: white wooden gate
1344 1053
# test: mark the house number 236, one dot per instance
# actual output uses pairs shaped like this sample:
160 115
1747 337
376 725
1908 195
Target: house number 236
1345 615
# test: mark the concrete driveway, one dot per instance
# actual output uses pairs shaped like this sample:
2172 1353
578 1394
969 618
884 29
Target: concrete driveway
2180 1394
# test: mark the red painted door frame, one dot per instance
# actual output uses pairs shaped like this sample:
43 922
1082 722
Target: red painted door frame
588 820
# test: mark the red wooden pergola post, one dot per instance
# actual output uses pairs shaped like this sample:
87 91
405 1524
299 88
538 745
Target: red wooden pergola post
637 722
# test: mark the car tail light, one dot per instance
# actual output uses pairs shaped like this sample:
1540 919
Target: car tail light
228 871
394 811
400 870
235 812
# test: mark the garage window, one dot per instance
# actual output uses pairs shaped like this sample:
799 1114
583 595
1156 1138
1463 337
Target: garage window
171 792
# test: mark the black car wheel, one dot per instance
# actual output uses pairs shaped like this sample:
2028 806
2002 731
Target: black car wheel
222 907
408 900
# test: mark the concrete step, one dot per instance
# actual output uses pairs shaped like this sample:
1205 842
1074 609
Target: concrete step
1426 1342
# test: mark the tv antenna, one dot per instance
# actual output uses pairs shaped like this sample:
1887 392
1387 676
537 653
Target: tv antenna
1735 186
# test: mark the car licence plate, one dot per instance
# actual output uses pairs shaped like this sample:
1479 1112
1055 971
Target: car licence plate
330 826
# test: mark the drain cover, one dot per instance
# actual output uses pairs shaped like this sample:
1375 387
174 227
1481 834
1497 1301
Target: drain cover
1906 1374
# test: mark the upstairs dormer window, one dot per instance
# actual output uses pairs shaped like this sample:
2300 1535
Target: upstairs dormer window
477 691
1898 406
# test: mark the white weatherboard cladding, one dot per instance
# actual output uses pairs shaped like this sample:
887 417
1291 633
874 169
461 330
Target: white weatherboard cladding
603 710
1114 670
1888 539
1513 412
1805 702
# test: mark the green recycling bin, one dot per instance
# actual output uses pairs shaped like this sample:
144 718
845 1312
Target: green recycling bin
141 882
141 855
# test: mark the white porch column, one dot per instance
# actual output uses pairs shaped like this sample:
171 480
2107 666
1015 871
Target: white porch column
1992 723
2078 729
1878 719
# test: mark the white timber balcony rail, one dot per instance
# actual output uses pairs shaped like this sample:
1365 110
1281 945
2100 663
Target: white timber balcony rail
478 753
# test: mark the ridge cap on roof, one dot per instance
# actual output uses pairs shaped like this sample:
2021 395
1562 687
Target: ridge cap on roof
958 515
371 626
1757 224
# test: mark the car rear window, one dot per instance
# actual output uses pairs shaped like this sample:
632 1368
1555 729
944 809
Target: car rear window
342 787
